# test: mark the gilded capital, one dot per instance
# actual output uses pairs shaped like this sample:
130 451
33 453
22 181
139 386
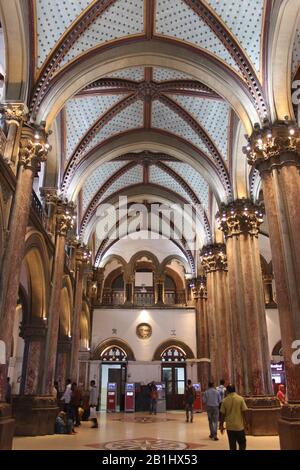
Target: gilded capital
199 289
33 147
213 258
65 217
240 216
14 113
273 145
83 255
49 196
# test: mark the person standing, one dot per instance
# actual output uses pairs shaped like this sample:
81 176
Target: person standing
233 412
8 391
93 403
281 395
153 398
189 398
222 390
212 400
75 403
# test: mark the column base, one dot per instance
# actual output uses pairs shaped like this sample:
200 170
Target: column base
7 426
34 415
289 427
263 415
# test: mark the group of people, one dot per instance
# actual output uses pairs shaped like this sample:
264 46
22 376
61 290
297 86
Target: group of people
76 407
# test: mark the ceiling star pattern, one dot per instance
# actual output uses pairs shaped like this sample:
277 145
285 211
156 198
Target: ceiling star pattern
131 177
296 52
53 18
81 113
133 73
244 19
161 178
193 179
213 115
161 74
164 118
176 19
123 18
130 118
97 179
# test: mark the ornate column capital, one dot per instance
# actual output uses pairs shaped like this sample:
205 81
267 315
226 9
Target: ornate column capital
49 195
14 113
200 290
213 258
33 147
65 216
240 216
273 145
83 255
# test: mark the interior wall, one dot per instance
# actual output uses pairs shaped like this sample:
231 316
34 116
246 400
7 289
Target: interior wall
162 321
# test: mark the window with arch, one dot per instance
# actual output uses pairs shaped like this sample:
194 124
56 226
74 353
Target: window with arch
113 354
173 354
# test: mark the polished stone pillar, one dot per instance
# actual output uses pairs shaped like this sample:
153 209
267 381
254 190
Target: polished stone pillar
214 262
82 259
275 152
240 222
202 332
50 199
31 153
63 360
64 222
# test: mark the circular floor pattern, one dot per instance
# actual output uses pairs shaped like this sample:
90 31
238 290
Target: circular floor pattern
145 444
142 419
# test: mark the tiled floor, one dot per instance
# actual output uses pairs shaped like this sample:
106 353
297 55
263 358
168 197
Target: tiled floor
134 431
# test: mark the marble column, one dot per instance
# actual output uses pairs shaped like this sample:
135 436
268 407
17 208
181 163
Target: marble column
82 259
202 333
214 262
64 222
240 221
275 152
33 150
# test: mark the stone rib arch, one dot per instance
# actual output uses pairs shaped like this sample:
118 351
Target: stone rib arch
139 52
169 258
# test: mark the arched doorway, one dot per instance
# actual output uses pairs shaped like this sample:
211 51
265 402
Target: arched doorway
113 355
173 355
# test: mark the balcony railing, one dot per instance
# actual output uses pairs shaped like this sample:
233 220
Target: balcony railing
37 206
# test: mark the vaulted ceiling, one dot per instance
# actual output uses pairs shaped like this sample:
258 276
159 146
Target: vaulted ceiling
151 129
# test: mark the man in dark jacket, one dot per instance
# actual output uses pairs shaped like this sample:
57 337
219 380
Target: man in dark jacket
189 398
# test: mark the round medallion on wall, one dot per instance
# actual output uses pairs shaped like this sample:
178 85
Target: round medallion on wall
144 330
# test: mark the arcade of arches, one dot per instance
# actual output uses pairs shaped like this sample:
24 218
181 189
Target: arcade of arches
149 203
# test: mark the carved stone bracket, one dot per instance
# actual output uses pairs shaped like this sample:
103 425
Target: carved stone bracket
213 258
13 113
240 216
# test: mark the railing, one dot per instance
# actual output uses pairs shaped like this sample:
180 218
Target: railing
117 298
143 298
37 206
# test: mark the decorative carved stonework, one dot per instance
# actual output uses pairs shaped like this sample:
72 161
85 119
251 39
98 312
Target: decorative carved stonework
213 258
240 216
83 254
148 91
65 217
273 145
13 112
200 290
33 147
